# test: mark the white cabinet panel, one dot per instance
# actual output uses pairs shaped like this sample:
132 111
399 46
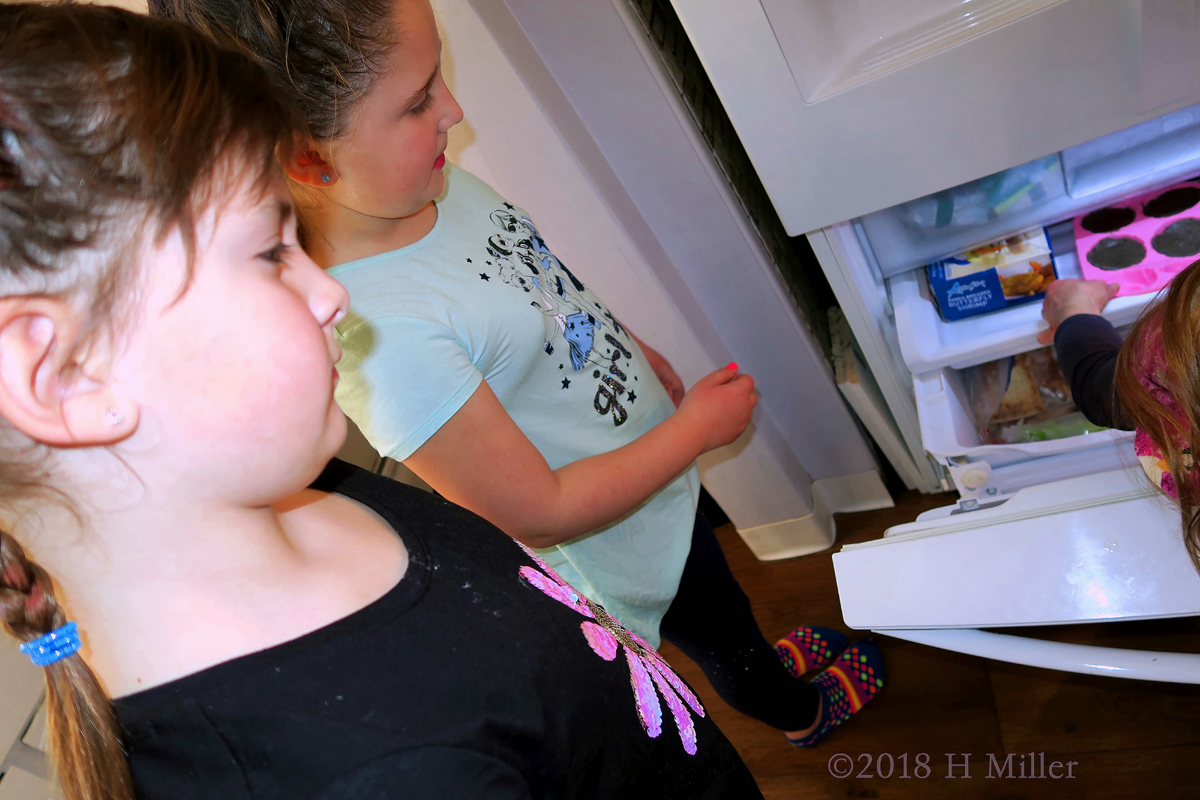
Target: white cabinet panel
945 110
833 45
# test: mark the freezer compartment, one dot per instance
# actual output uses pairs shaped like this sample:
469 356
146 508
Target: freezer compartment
1151 154
929 343
831 45
1097 548
949 430
983 472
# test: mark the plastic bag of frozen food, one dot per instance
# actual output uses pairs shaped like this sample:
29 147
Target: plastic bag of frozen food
1035 406
983 200
985 386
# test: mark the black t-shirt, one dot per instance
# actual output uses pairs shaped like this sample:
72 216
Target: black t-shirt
1087 346
477 676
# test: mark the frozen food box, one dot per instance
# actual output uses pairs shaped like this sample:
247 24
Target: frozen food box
993 276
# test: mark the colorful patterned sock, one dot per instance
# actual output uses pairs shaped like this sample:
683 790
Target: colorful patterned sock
809 649
848 685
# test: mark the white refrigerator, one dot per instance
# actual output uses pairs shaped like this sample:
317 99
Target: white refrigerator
867 120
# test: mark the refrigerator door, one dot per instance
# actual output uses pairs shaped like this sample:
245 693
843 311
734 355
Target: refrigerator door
1097 548
1100 548
846 108
1147 665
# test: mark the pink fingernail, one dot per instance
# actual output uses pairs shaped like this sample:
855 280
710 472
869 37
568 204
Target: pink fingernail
732 366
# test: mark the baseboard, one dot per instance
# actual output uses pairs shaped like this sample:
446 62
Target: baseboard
815 532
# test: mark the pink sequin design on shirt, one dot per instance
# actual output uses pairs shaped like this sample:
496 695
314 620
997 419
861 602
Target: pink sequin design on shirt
647 669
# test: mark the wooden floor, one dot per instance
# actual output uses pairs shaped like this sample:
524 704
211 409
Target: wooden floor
1131 739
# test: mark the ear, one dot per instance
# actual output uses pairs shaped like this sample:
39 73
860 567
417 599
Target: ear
309 165
51 395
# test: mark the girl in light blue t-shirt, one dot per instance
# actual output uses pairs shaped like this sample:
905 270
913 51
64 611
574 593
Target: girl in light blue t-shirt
480 360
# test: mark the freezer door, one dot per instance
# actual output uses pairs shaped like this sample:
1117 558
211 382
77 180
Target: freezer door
1097 548
846 108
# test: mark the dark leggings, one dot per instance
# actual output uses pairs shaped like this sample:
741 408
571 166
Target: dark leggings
711 622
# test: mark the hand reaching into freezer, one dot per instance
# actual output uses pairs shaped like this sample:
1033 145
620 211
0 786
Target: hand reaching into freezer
1066 298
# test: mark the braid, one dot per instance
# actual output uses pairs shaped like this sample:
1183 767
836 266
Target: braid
85 736
109 120
27 603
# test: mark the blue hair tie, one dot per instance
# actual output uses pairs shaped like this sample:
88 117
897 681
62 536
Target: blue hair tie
54 646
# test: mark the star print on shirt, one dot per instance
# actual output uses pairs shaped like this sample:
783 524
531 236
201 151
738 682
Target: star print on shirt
509 206
566 384
632 397
469 261
484 276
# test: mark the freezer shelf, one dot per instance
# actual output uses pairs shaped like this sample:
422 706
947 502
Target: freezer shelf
929 343
948 427
1152 154
1099 548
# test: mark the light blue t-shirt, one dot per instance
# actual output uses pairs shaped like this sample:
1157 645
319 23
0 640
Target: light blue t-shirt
482 298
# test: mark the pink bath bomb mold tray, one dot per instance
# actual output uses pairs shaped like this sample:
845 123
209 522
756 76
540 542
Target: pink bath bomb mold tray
1141 242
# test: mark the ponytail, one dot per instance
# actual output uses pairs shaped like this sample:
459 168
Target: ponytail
115 129
84 734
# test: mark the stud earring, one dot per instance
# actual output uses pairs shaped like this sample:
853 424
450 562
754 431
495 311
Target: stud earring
114 417
325 179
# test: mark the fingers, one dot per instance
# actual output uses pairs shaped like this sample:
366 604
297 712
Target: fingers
1046 336
718 378
1113 288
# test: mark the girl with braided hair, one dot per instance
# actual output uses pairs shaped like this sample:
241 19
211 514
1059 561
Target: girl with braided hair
479 360
221 611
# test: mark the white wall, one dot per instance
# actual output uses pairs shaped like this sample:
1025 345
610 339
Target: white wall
133 5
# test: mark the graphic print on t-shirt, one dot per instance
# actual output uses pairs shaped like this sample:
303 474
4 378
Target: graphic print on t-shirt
647 669
525 263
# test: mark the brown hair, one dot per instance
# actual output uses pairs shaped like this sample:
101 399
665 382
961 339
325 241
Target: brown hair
1171 417
324 54
113 126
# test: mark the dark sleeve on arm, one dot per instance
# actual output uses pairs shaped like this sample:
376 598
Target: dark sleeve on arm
431 773
1087 347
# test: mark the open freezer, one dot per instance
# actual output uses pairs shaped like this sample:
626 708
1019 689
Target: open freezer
1057 531
895 134
876 264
